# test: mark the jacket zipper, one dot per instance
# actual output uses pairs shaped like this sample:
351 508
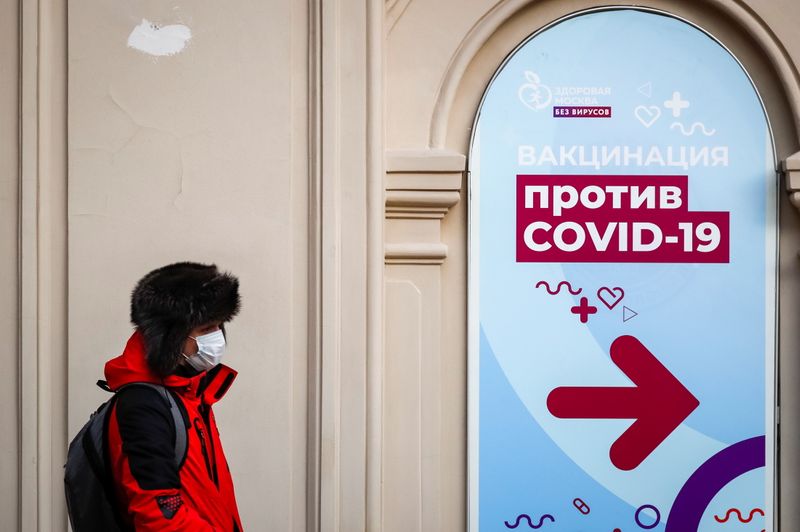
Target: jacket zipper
206 417
201 434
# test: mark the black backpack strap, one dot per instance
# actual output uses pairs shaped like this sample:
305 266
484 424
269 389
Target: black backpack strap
100 451
94 444
178 418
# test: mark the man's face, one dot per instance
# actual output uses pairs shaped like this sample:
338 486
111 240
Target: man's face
189 345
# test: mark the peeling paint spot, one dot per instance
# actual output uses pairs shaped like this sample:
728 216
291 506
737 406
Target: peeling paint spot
158 40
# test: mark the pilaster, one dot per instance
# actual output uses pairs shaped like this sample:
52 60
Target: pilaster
421 188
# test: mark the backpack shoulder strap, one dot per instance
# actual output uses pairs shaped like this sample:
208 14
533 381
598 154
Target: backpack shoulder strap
177 418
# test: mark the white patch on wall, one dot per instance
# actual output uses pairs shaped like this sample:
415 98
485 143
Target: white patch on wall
158 40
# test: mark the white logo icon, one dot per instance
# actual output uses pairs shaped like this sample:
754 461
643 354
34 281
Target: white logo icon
647 115
534 94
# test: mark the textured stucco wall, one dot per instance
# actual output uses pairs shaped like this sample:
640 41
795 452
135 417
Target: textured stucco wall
198 155
9 473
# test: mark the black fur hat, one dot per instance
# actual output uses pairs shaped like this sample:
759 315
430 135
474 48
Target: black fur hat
170 301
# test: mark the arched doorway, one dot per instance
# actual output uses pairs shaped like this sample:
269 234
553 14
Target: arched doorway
623 186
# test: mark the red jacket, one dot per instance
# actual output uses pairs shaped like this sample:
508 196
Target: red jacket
153 494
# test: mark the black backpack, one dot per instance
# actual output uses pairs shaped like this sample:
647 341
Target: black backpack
87 480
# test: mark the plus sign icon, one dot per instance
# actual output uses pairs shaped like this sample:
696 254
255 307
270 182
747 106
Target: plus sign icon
676 104
584 310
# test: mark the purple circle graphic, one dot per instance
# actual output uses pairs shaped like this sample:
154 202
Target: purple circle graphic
647 507
728 464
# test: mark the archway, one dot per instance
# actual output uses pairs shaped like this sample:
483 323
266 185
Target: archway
566 143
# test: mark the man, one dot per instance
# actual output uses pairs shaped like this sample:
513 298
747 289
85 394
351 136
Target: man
179 312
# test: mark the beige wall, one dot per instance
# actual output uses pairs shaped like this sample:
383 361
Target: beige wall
200 156
257 147
316 149
9 184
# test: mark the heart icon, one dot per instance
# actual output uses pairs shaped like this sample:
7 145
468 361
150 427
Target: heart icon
610 296
647 115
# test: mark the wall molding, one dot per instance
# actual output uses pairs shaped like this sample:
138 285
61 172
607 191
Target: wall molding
421 188
791 171
395 9
346 275
42 265
432 204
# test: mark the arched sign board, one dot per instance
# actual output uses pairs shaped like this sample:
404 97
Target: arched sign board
623 255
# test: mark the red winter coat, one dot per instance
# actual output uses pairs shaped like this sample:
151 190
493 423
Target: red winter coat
153 494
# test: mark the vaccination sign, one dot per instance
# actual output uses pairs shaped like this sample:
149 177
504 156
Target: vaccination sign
623 249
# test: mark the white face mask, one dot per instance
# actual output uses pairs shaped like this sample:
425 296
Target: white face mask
210 348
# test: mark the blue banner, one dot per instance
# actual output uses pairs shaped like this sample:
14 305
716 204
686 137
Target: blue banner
623 246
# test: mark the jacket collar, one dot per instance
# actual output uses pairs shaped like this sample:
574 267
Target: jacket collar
131 366
212 385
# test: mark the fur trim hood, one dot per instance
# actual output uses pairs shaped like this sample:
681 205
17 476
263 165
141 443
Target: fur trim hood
170 301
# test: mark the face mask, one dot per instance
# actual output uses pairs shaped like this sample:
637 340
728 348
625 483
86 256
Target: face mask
210 348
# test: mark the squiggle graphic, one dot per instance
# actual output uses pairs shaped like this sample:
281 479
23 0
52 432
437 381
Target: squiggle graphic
530 523
692 129
558 288
739 515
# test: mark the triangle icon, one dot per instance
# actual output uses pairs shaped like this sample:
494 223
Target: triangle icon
628 313
646 89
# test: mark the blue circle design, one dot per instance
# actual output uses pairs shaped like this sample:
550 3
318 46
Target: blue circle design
647 507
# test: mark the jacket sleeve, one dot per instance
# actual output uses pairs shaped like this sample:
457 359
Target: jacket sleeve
146 474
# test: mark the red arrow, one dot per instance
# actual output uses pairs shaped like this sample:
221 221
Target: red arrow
658 402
